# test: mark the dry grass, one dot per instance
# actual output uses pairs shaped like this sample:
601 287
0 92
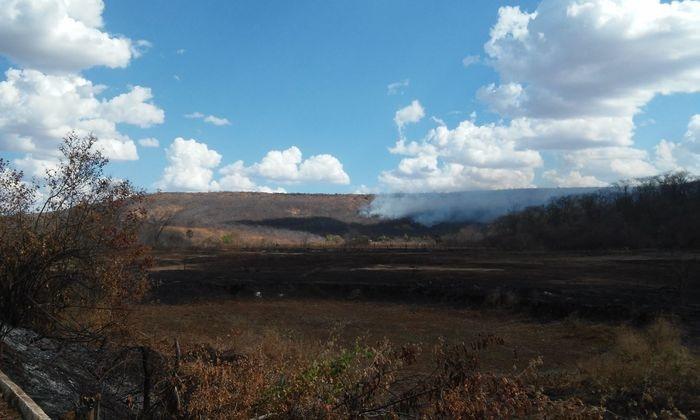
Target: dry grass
286 355
648 372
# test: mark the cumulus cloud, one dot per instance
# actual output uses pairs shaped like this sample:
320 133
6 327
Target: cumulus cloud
573 75
469 156
238 177
611 163
581 70
149 142
211 119
63 36
37 110
54 41
596 57
397 88
409 114
287 166
134 108
191 167
684 154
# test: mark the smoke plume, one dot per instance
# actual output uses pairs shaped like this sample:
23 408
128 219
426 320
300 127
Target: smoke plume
471 206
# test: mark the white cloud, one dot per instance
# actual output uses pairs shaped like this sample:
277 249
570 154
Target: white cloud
237 177
190 167
471 60
611 163
33 166
323 168
397 87
63 35
427 174
195 115
287 166
140 47
573 76
216 120
149 142
211 119
573 133
505 99
280 165
410 114
693 134
642 49
572 179
579 71
180 51
684 154
466 157
37 110
133 108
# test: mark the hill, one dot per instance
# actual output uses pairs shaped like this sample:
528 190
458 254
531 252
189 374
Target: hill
218 219
260 219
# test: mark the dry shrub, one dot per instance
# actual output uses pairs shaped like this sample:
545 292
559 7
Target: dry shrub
219 388
70 261
647 373
358 381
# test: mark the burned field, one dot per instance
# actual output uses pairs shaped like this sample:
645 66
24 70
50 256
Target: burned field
623 286
588 321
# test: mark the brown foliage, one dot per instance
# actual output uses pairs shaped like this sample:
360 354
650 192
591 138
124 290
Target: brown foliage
356 382
69 256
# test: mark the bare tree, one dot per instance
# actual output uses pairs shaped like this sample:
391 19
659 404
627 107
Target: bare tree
70 260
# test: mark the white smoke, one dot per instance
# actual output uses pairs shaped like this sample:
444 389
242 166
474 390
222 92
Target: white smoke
472 206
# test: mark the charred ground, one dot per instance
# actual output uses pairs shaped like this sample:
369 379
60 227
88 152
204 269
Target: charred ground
620 286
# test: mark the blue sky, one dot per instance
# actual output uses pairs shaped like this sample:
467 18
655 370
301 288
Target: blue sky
314 75
311 74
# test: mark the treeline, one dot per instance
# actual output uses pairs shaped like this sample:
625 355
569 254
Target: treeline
656 212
